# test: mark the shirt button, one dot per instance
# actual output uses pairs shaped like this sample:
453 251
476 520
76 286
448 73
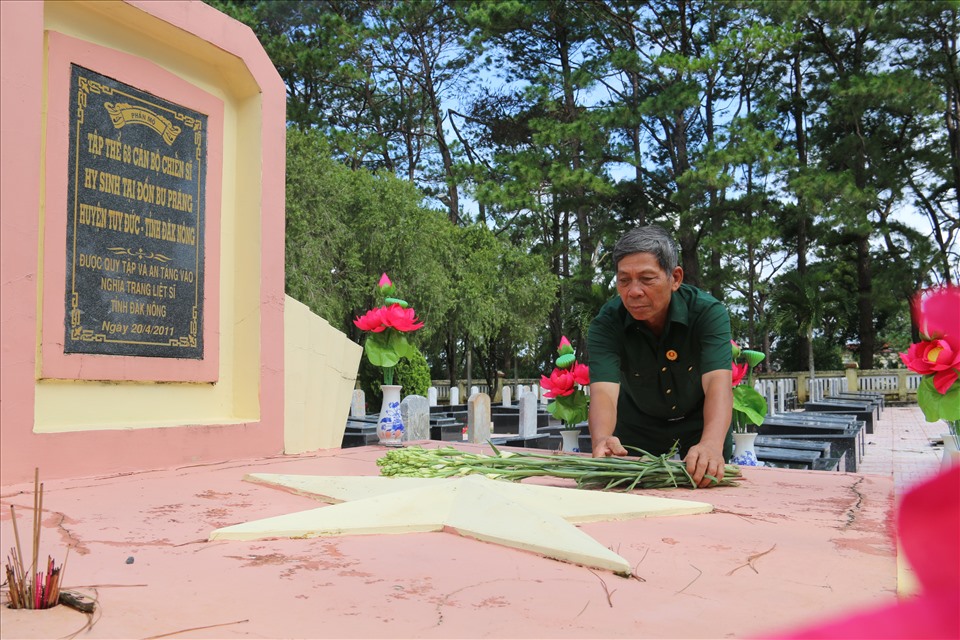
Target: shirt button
636 375
664 369
673 408
669 391
689 368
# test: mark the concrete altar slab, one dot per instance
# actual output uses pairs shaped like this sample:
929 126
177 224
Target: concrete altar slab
783 550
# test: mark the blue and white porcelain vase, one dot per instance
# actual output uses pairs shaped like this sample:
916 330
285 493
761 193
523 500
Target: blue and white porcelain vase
743 451
390 427
571 439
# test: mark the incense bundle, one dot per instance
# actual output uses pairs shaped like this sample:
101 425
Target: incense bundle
42 590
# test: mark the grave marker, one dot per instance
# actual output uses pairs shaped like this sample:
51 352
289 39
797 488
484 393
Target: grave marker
528 416
358 404
415 412
478 418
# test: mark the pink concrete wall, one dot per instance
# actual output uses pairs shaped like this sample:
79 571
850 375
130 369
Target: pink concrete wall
94 452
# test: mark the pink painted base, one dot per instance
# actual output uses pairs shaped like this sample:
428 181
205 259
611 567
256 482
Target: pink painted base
23 71
785 549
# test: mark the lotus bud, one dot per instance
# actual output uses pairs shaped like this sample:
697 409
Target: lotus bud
386 286
736 349
565 346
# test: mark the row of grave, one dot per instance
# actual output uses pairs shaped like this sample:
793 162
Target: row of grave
826 435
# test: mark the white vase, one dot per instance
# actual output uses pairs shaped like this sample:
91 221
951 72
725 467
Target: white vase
390 427
743 451
951 450
571 440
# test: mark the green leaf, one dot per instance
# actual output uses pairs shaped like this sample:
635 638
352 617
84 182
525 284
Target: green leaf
936 405
753 357
381 350
572 409
751 404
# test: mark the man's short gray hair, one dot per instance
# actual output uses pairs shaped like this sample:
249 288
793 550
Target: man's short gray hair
650 239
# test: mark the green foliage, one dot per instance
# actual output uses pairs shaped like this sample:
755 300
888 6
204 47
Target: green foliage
771 136
347 227
412 373
571 410
385 349
751 406
787 352
748 405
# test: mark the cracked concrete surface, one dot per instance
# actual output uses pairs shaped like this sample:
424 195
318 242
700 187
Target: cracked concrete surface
437 585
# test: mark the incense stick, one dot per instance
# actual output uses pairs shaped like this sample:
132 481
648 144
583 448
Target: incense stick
18 558
41 590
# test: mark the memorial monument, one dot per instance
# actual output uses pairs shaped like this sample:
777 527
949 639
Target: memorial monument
144 321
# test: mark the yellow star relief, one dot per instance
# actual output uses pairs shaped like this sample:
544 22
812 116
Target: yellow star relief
531 517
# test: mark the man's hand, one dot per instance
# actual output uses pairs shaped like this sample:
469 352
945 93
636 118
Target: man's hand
703 460
609 446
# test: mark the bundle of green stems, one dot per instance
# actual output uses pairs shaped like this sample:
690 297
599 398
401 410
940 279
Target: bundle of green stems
645 472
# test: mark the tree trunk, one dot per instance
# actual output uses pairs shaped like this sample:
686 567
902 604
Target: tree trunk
865 303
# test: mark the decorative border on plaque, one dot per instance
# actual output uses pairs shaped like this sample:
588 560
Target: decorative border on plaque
133 229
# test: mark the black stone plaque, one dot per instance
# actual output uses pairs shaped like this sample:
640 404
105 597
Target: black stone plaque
135 223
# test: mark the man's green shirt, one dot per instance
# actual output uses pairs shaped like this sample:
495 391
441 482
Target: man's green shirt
660 378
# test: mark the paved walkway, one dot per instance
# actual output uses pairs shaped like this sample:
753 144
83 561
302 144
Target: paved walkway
901 445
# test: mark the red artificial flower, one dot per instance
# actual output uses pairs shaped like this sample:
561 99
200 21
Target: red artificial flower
560 383
581 373
399 318
391 317
937 357
370 321
937 312
740 372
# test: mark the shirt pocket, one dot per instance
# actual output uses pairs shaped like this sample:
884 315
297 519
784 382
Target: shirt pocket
644 387
689 384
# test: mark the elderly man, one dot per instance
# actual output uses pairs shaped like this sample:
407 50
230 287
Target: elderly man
660 359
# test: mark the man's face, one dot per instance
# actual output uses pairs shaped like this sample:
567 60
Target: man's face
645 288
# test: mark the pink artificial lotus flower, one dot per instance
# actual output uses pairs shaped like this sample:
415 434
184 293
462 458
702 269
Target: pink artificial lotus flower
936 313
384 282
938 358
581 374
371 321
560 383
563 382
391 317
740 372
399 318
